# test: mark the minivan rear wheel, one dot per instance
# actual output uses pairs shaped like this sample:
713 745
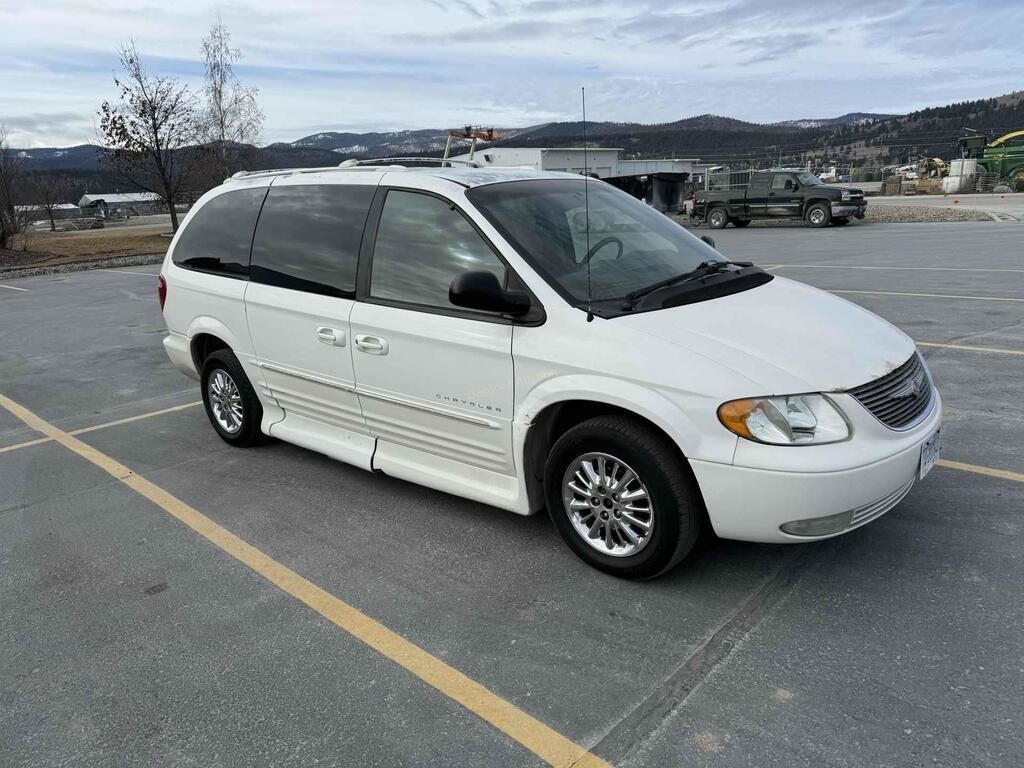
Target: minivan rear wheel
231 403
622 497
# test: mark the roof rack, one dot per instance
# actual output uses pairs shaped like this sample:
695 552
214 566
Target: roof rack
392 160
389 163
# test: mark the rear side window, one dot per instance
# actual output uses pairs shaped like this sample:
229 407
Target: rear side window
758 182
422 243
308 237
219 235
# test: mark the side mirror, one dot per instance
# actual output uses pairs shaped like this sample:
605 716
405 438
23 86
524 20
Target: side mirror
709 240
481 290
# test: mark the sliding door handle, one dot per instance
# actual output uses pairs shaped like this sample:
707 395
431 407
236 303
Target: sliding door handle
330 336
373 345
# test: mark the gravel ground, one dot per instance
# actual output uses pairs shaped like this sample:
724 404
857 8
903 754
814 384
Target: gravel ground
103 263
879 214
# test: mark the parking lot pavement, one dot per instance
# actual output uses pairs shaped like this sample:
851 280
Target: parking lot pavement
897 644
127 640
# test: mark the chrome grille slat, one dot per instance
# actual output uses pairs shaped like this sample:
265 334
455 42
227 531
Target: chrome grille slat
896 412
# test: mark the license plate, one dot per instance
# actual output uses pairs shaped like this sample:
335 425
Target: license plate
930 450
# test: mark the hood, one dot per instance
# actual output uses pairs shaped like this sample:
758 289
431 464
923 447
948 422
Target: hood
834 188
786 336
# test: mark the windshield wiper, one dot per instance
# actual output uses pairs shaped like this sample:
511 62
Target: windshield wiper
703 269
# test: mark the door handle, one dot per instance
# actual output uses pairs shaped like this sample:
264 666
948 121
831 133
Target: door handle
373 345
330 336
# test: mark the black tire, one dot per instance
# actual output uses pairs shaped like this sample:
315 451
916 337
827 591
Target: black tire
678 509
840 221
248 432
740 222
818 215
718 218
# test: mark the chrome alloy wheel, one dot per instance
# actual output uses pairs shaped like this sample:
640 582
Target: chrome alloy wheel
225 401
817 216
607 504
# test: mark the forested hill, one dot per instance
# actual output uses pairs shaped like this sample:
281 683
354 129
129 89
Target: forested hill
856 138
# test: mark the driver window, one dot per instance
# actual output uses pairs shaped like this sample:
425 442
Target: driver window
783 183
422 243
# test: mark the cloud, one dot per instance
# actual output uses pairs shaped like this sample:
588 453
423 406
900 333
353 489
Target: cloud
430 63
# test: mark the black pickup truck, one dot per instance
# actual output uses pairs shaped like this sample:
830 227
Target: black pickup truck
780 194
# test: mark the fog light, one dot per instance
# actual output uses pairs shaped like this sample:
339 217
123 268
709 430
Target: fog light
818 526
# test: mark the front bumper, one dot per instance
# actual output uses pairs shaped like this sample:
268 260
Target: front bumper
751 503
847 208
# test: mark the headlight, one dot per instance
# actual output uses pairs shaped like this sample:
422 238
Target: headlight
786 420
845 194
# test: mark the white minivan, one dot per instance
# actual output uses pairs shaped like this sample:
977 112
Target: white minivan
540 340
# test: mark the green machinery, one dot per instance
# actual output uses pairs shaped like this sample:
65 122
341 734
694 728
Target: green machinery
1004 156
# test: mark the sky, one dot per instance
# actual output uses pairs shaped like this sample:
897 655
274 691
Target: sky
356 65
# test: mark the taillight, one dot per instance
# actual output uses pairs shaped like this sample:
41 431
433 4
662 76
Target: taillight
161 291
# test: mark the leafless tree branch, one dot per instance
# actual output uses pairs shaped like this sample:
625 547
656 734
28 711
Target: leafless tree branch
151 131
232 121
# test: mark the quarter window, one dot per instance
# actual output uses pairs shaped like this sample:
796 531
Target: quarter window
422 243
308 237
219 235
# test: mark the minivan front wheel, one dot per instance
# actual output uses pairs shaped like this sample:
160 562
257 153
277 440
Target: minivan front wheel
622 497
231 403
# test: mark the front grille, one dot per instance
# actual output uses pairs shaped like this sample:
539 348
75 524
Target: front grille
900 397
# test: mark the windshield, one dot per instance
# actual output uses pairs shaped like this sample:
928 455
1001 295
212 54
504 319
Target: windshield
632 246
809 179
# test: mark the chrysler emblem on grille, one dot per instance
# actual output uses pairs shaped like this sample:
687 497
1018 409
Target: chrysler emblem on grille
912 388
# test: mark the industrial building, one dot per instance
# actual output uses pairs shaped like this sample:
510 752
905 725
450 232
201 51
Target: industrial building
134 203
662 183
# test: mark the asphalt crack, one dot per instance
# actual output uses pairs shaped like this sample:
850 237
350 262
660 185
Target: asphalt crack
626 736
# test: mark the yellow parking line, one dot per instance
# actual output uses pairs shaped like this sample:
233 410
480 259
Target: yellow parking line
545 742
1003 474
104 425
969 349
933 295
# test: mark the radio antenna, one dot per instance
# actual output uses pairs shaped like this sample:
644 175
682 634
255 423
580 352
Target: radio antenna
586 206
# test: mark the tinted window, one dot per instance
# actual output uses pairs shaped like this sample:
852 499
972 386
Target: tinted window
782 181
422 244
308 237
758 183
219 236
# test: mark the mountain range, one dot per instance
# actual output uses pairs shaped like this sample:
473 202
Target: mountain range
855 138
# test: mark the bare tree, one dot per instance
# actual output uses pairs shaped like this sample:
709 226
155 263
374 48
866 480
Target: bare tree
12 192
151 131
232 120
48 190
